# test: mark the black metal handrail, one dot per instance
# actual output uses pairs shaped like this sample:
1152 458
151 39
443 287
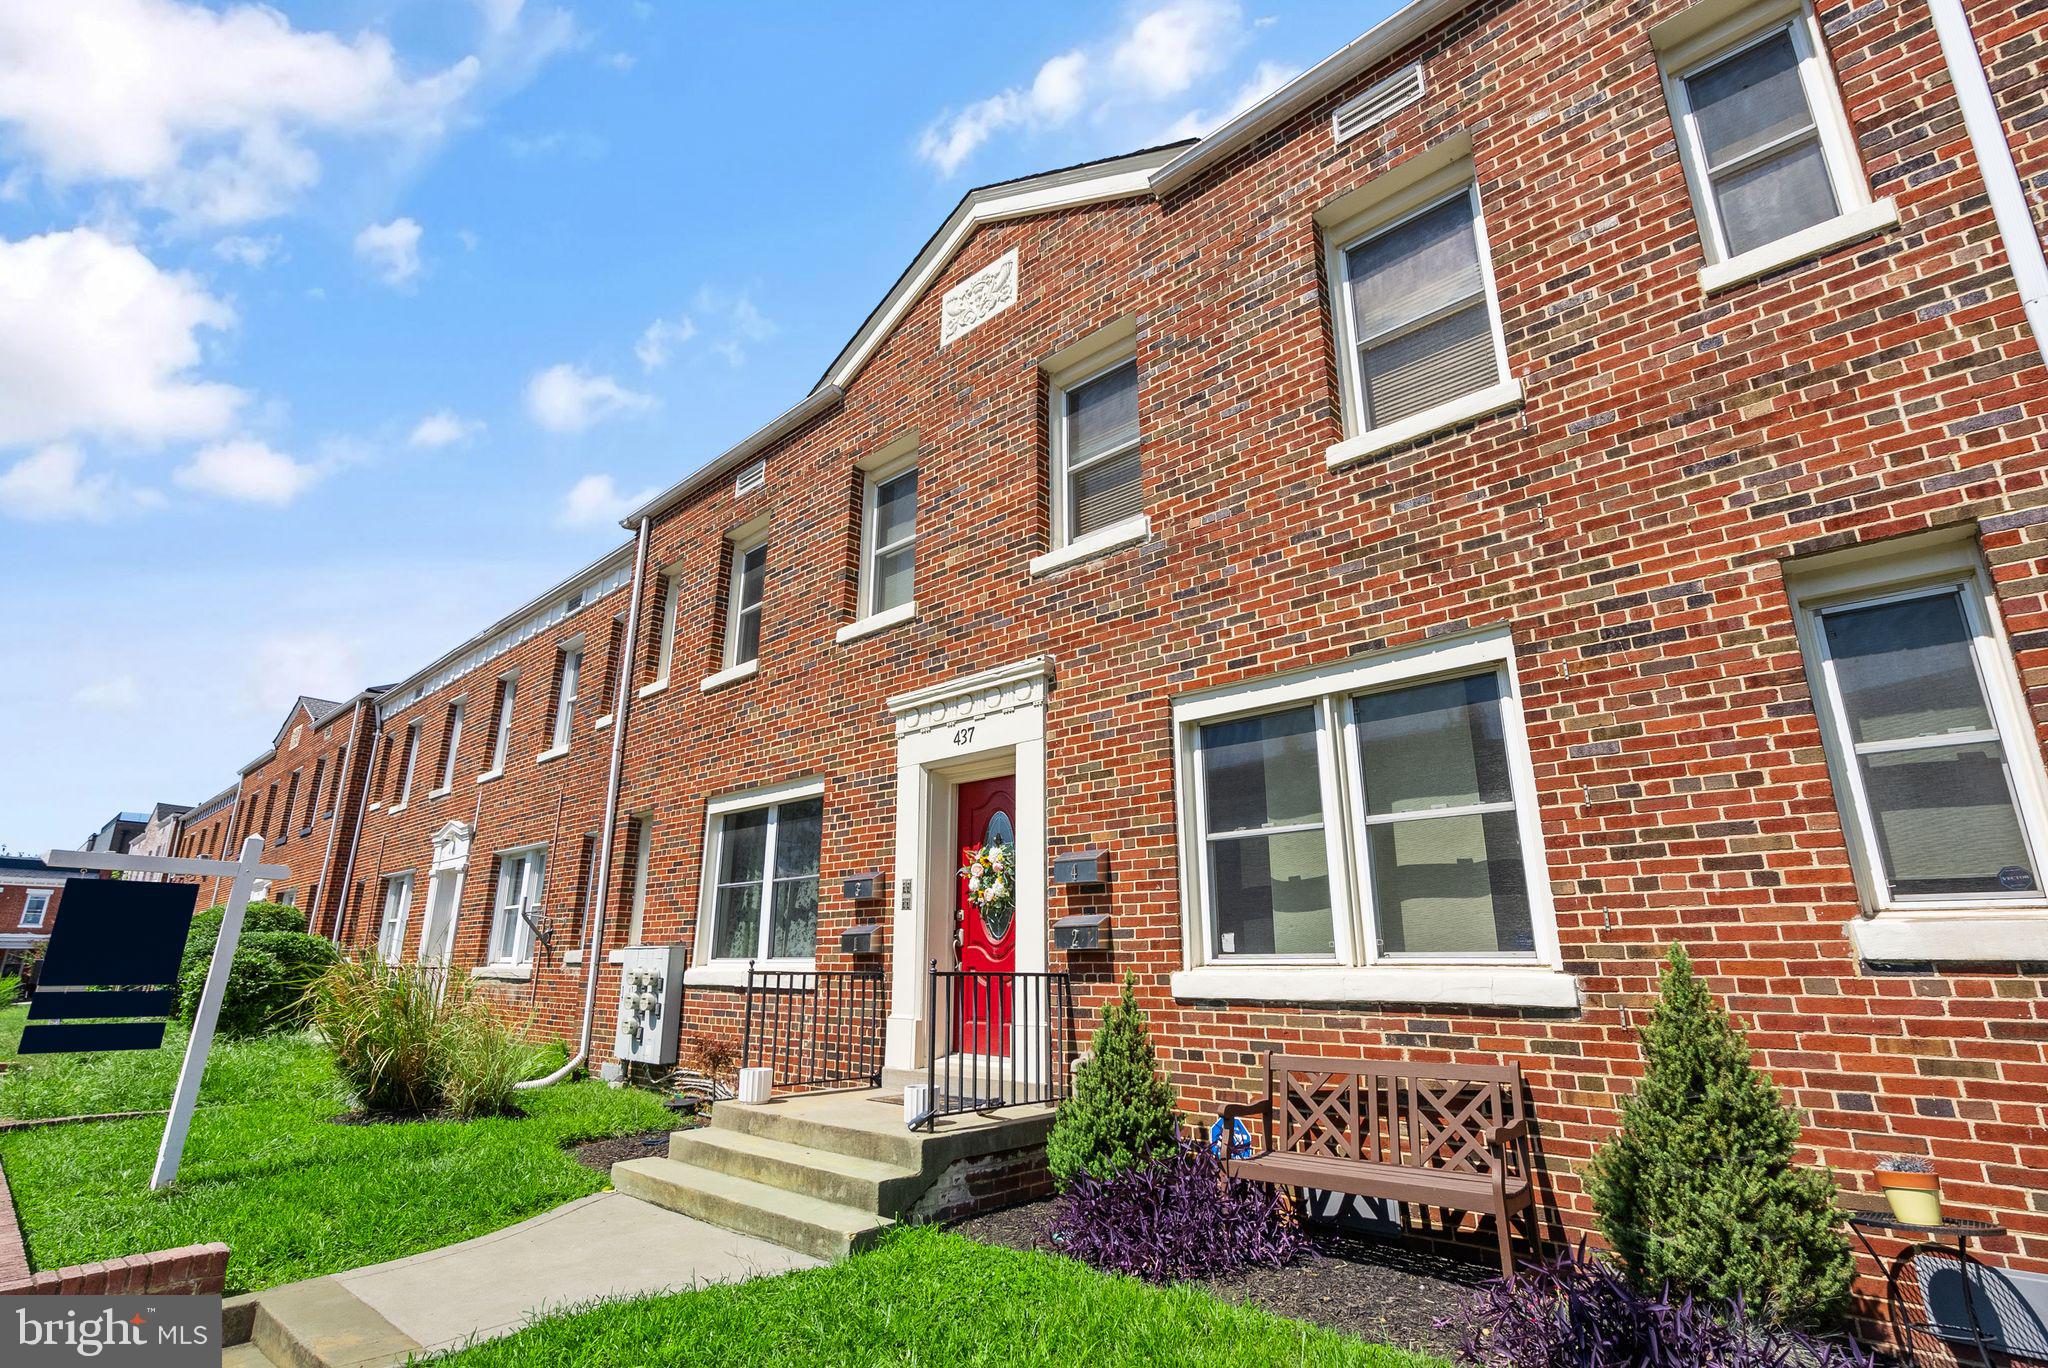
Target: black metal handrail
814 1026
995 1040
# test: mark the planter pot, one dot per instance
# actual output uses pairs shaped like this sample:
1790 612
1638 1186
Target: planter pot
1915 1197
756 1084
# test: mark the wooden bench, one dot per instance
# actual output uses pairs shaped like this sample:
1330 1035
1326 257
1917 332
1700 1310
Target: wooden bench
1452 1136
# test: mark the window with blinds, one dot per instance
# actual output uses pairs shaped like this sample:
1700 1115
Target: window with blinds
1101 477
1421 322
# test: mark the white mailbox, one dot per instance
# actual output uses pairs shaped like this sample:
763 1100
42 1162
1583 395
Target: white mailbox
650 1003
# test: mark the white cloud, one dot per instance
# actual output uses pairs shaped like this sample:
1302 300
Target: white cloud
660 338
51 485
116 693
1268 77
596 501
1174 46
250 251
204 112
94 338
566 398
391 251
1163 52
443 429
249 471
1055 95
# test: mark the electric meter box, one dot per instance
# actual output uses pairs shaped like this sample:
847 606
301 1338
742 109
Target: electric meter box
650 1003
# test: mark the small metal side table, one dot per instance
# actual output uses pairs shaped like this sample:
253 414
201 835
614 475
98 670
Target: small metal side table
1925 1236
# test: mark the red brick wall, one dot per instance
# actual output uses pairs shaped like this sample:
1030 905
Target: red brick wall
298 839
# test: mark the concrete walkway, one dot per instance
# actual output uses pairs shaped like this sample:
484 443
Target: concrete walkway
604 1246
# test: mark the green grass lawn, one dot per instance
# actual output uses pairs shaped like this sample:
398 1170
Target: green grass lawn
928 1297
266 1169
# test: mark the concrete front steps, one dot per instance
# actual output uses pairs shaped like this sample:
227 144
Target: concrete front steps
826 1173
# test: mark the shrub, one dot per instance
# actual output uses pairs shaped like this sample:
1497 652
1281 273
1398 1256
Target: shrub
1175 1218
1699 1188
258 919
1576 1312
267 982
1120 1115
405 1046
10 992
381 1022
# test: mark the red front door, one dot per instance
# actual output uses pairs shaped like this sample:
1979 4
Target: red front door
981 1021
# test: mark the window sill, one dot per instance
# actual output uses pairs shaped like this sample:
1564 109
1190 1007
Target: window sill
1807 242
504 973
1960 936
1114 537
732 676
555 753
602 724
394 811
376 807
650 690
440 793
489 775
1464 409
1470 985
733 973
876 622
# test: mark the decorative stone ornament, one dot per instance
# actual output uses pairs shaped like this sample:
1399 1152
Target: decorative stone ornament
977 299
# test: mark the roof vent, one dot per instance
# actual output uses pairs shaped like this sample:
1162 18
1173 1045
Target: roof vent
1379 104
751 478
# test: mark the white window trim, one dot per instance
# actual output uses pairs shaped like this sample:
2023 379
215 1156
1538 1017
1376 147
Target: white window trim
412 755
492 960
704 970
734 675
1357 972
870 553
386 922
877 622
501 738
1685 55
458 714
665 654
734 581
1431 189
566 697
1101 363
41 909
1129 532
1968 929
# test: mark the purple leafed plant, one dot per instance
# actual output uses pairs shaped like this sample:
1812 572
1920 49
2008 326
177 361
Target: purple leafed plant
1580 1312
1178 1218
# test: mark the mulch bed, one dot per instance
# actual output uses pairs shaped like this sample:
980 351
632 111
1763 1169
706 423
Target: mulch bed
602 1154
1383 1290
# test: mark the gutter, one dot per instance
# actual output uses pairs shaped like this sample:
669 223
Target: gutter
601 893
1994 161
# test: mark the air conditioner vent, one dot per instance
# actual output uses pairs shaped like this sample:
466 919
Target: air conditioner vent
1379 104
751 478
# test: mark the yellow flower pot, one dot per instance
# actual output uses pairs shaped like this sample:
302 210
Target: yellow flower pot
1915 1197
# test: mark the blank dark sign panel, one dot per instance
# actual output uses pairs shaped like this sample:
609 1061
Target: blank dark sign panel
123 938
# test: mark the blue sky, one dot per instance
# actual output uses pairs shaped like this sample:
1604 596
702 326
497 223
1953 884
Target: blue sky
330 332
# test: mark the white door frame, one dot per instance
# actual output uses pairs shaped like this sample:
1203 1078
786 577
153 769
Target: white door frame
984 725
451 861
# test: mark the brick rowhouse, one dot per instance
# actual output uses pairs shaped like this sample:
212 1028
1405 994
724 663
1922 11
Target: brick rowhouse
1694 439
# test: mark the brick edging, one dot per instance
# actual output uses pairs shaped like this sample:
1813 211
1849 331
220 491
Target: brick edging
13 1249
190 1270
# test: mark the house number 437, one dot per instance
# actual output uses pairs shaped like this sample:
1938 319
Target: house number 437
963 736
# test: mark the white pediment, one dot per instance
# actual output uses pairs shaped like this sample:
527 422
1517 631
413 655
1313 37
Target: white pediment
451 845
987 694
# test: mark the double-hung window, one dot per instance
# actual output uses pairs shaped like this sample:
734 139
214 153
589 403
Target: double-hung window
764 870
391 927
568 679
412 753
518 905
1766 143
889 541
1368 820
665 644
747 582
451 745
1417 313
501 739
313 795
1098 476
1935 768
35 908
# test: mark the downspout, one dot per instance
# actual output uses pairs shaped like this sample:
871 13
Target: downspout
622 700
355 834
355 720
1994 160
